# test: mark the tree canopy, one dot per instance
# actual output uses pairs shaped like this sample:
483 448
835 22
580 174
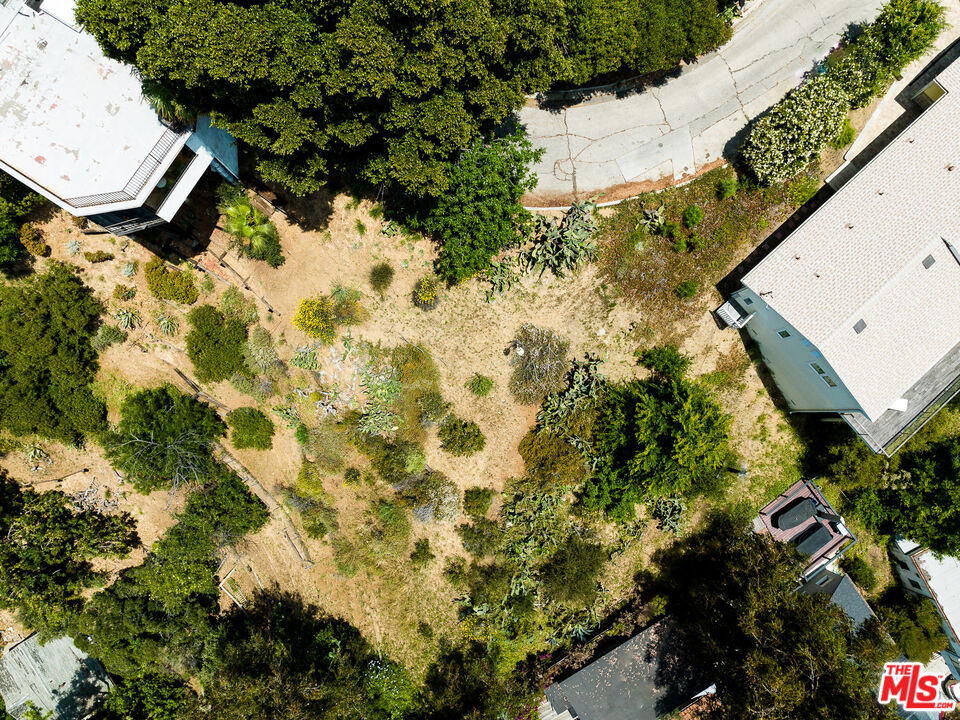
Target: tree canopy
774 653
16 202
46 360
45 551
659 437
481 213
164 439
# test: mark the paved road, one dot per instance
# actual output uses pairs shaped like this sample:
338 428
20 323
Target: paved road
622 146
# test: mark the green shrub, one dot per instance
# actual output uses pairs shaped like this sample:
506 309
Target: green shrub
727 187
671 230
476 501
859 571
236 306
551 461
98 257
168 284
913 623
124 292
31 237
351 477
792 134
426 293
433 408
250 428
421 555
692 216
905 30
479 385
381 275
347 309
570 576
680 244
687 289
539 358
106 336
328 444
302 434
432 496
214 344
481 537
461 437
802 189
666 361
846 136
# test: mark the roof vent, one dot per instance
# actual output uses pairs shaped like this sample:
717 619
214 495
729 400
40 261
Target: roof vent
950 167
860 326
928 262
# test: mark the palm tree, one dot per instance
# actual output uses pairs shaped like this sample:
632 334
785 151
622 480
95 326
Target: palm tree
252 232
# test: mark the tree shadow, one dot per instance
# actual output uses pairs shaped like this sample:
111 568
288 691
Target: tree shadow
83 693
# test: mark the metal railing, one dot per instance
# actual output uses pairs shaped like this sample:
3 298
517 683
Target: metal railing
147 168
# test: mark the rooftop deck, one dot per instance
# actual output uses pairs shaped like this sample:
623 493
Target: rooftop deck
801 515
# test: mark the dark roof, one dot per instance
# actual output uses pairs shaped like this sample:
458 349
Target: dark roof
56 677
642 679
842 591
813 538
794 514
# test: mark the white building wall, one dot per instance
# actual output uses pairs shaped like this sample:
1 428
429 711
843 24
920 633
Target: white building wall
789 360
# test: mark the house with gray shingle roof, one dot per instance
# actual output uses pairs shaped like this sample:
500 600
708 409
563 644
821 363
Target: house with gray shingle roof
857 311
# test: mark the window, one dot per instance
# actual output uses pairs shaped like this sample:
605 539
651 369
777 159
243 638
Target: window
915 584
860 326
783 333
747 301
823 375
902 564
928 262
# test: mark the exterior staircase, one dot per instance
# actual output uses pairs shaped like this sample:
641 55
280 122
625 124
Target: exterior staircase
546 712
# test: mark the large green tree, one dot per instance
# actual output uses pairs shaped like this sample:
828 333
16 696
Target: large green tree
382 89
16 202
482 212
45 551
775 654
921 499
46 360
164 439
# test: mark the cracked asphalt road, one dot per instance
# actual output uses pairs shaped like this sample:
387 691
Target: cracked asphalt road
622 146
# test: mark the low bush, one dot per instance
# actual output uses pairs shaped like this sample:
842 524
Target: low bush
570 576
476 501
259 355
479 385
846 136
433 408
381 275
727 187
481 537
421 555
666 361
551 461
214 344
461 437
31 237
431 495
687 289
98 257
168 284
124 292
347 309
250 428
680 244
859 571
539 358
236 306
426 293
106 336
315 317
692 216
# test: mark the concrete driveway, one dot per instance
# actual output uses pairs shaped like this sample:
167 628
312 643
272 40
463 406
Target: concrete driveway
620 146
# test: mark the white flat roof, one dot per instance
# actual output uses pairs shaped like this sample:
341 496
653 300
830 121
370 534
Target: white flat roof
943 579
860 256
72 121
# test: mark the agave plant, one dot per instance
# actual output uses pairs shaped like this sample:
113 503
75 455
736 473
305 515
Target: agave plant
73 247
652 220
35 453
252 232
129 269
168 324
127 318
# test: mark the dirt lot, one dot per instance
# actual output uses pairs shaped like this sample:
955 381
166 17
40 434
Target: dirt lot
464 334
